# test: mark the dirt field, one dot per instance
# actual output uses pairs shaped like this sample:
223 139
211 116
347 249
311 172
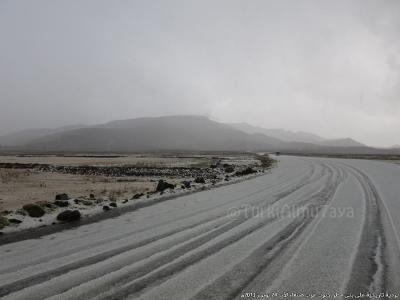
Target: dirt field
129 160
28 185
19 187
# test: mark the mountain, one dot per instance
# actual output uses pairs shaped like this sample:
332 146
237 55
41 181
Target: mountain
192 133
297 136
22 137
176 133
346 142
282 134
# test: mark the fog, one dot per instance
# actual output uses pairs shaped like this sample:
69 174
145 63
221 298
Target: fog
328 68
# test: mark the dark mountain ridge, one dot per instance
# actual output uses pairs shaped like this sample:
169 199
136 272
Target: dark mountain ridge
175 133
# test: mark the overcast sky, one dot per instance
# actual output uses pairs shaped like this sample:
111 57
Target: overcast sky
327 67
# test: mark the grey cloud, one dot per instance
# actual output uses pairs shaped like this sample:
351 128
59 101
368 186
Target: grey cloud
325 67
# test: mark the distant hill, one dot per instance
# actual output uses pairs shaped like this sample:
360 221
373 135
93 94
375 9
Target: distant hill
282 134
25 136
297 136
176 133
193 133
346 142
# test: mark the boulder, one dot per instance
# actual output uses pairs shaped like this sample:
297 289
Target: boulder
186 184
200 180
14 221
163 185
137 196
3 222
34 210
61 203
92 197
113 204
69 216
106 208
62 197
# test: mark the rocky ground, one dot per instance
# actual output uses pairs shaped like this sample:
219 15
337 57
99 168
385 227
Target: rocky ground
127 185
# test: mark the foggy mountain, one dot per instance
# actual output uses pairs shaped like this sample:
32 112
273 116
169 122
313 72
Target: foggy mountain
282 134
192 133
176 133
298 136
25 136
346 142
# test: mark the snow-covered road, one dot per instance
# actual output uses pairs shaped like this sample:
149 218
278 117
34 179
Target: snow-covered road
310 228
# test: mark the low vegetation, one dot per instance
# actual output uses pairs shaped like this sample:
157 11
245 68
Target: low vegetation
35 187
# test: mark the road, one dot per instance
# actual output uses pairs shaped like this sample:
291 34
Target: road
312 227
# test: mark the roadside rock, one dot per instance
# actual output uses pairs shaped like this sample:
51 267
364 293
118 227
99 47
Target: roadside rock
14 221
106 208
3 222
69 216
113 204
34 210
62 197
186 184
137 196
61 203
200 180
163 185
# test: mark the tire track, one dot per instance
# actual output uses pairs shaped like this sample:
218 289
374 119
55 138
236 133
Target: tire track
371 270
46 258
42 277
167 259
282 239
230 285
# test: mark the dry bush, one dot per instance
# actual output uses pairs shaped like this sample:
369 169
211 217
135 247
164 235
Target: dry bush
113 195
7 176
265 160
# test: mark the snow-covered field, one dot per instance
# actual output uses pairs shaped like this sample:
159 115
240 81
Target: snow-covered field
313 228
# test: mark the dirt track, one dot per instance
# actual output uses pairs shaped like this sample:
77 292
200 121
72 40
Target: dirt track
311 227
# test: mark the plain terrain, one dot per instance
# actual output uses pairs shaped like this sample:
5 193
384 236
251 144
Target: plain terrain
91 182
313 227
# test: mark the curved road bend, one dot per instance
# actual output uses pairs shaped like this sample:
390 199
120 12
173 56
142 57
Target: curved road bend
312 227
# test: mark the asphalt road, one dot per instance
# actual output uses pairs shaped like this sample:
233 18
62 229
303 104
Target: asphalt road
312 228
